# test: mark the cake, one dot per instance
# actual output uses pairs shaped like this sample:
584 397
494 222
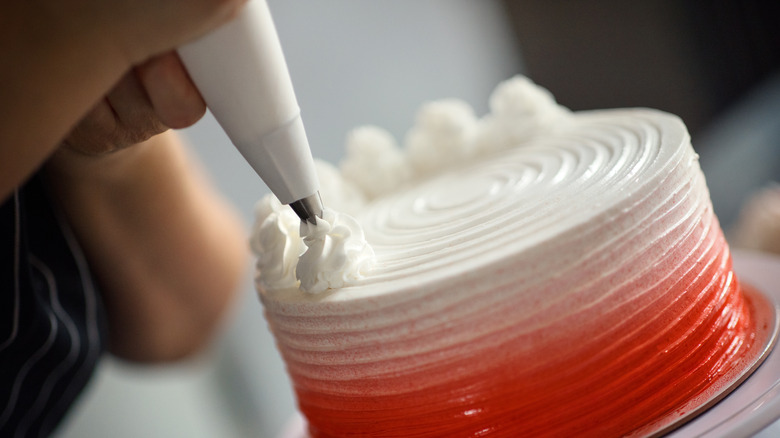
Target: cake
533 272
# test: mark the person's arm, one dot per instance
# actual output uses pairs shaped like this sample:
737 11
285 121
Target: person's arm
94 80
165 249
59 57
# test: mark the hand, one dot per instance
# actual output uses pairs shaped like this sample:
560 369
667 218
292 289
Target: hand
86 78
60 57
148 100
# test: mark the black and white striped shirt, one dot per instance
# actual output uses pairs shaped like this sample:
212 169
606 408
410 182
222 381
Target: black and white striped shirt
52 328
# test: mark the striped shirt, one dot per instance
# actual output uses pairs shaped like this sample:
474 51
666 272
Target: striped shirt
52 328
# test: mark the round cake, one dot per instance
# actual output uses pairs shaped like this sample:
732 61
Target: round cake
533 272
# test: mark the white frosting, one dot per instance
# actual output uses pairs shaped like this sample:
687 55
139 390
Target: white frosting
601 163
446 134
374 162
277 244
587 192
313 258
519 109
442 137
522 102
535 237
337 253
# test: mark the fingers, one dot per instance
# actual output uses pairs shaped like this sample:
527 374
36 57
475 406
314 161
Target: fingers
124 117
137 120
149 99
93 134
171 92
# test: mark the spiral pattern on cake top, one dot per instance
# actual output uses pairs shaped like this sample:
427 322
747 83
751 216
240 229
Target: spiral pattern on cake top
518 199
577 283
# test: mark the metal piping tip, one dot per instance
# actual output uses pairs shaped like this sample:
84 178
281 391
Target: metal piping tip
308 208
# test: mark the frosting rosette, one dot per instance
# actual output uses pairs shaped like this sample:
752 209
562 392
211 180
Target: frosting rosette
574 283
336 253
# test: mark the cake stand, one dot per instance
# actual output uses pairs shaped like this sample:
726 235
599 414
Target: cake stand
755 404
751 407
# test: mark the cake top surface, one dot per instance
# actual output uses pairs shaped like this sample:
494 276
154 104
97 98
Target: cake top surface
467 198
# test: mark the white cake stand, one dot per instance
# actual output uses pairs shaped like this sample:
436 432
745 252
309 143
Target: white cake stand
749 408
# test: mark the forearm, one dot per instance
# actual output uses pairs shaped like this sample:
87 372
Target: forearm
166 251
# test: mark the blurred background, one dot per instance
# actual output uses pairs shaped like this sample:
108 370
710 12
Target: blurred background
715 64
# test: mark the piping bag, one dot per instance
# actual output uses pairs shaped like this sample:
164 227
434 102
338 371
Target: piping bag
241 73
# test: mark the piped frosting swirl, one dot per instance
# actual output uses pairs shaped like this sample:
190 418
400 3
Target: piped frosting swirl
295 255
336 253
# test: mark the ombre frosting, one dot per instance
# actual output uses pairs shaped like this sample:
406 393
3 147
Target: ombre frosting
552 274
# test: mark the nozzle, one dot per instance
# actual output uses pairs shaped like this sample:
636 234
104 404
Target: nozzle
308 208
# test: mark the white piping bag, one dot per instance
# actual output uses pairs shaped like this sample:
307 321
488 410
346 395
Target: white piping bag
240 70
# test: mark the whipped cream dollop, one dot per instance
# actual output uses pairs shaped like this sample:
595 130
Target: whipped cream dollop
337 253
519 109
443 136
447 134
374 162
330 254
277 243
